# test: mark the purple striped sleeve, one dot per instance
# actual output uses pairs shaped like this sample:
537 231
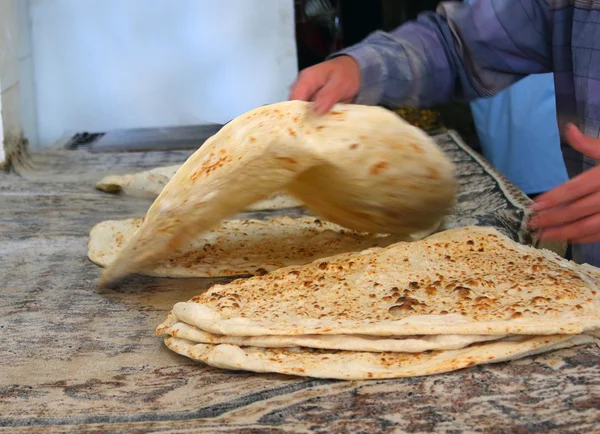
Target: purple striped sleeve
463 52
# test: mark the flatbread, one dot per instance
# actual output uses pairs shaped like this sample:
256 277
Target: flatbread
471 280
413 344
239 247
361 167
349 365
150 183
275 201
147 184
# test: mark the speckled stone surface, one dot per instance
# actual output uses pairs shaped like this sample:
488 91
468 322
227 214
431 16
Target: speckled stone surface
78 359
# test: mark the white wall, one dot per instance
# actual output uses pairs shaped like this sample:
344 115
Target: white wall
105 64
2 153
17 114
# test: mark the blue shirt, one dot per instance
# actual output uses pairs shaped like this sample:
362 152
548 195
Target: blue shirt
519 134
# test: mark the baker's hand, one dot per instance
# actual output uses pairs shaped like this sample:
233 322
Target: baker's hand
330 82
571 211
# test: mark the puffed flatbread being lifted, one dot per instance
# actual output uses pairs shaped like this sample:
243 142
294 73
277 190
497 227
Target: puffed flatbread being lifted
361 167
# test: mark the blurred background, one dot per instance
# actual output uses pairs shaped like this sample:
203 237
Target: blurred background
148 73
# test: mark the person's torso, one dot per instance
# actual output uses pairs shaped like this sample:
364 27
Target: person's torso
519 135
576 62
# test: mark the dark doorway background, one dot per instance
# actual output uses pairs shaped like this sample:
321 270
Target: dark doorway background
358 18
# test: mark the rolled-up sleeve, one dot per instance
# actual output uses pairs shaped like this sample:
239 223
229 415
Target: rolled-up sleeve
461 52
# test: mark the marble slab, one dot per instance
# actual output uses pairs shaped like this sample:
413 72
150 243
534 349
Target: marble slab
79 359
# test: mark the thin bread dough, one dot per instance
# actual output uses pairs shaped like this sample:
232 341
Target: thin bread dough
146 184
404 344
361 167
150 183
239 247
471 280
350 365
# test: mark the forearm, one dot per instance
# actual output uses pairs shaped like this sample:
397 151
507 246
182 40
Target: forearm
461 52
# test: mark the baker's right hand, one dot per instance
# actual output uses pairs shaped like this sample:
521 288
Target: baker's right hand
327 83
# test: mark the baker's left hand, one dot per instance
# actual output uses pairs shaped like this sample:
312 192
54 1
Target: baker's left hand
571 211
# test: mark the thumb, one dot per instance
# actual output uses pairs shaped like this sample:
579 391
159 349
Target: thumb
586 145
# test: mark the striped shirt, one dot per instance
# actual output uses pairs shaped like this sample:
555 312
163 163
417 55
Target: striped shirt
469 51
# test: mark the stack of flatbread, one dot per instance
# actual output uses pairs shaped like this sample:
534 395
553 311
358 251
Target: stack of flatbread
458 298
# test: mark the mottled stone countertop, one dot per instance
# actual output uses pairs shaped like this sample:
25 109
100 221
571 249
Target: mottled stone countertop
75 358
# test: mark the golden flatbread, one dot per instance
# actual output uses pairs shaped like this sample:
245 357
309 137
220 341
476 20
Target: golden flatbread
361 167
